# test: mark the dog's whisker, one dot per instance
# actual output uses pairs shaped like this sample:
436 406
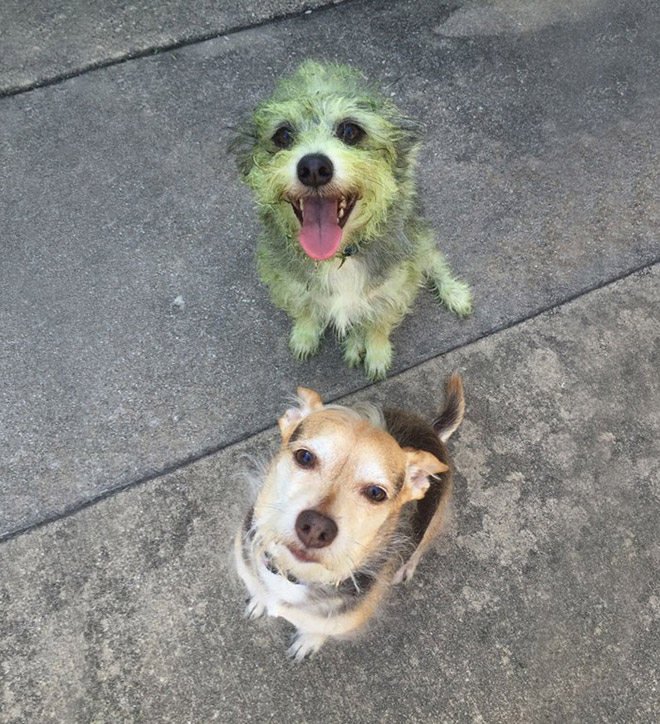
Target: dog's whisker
357 543
272 506
392 83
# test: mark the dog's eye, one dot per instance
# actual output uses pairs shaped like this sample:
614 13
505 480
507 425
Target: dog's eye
349 133
304 458
375 493
283 137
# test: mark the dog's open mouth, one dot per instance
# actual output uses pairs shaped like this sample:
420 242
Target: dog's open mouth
321 223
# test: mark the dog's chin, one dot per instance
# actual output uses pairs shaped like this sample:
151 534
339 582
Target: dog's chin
302 554
304 563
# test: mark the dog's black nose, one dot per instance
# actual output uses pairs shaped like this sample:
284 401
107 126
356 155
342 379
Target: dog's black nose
315 530
315 170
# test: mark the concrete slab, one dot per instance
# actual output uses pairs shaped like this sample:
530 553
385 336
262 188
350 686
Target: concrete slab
42 43
540 604
135 333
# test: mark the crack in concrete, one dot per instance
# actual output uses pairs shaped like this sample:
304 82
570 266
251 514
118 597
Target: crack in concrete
215 449
166 48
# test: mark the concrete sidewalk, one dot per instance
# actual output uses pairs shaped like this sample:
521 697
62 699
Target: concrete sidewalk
125 416
540 171
541 604
42 45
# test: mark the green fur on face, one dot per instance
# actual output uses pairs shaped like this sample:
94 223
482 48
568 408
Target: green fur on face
333 112
311 103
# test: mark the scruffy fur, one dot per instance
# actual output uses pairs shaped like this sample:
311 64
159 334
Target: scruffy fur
354 471
366 294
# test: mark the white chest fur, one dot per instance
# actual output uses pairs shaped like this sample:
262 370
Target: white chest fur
279 590
346 299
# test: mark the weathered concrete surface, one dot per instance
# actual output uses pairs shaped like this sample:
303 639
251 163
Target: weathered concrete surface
540 171
541 604
43 41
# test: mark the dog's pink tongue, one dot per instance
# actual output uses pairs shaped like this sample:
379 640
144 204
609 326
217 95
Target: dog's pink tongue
320 235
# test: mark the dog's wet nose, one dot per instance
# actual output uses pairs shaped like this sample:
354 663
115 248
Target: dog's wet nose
315 170
315 530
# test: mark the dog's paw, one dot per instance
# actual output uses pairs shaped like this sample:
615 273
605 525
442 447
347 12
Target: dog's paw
405 573
305 339
305 645
456 296
354 350
377 359
254 608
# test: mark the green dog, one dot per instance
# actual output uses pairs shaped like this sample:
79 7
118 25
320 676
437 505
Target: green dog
331 162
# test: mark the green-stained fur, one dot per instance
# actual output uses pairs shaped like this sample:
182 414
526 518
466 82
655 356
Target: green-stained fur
366 295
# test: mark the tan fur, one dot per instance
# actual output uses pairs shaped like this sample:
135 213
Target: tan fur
351 456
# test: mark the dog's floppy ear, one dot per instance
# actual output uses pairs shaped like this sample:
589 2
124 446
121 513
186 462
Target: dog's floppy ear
421 464
243 140
309 401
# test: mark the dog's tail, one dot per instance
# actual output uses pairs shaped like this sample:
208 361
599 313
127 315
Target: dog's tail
447 422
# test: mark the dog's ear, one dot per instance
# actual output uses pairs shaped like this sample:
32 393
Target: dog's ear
243 140
308 402
420 464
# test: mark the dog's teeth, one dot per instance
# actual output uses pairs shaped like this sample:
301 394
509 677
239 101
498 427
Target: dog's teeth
342 204
300 204
341 214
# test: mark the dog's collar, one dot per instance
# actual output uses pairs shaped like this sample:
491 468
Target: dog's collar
348 251
360 583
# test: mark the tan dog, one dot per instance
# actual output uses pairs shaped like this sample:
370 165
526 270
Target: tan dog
326 536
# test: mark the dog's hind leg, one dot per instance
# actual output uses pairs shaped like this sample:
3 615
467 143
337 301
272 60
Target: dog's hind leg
430 514
454 294
437 505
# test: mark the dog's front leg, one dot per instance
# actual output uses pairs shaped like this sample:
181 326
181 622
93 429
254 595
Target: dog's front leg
378 351
255 605
391 301
305 644
295 299
354 346
313 629
306 335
